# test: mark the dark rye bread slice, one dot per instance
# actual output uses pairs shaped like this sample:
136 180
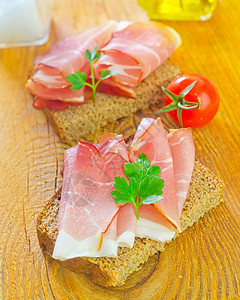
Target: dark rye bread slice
77 121
205 192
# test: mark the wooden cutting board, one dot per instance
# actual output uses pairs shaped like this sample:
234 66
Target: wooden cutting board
203 263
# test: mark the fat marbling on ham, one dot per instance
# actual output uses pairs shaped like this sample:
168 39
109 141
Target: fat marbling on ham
90 222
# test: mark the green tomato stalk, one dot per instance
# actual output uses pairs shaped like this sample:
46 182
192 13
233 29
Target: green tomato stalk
179 103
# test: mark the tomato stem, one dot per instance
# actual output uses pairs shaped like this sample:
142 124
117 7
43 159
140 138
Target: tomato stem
179 103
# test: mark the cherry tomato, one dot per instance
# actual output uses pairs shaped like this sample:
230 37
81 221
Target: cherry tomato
205 90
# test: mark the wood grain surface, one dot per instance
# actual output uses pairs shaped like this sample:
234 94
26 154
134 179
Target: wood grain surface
204 262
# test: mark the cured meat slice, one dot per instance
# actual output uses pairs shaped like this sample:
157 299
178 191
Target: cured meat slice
68 55
116 89
183 153
157 41
63 94
50 78
153 225
70 156
152 140
135 52
58 105
147 58
65 57
128 69
126 225
113 143
142 128
87 209
41 103
49 86
90 223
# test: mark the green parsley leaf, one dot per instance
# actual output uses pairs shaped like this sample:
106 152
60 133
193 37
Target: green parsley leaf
107 73
144 186
88 55
97 56
79 80
124 190
154 170
151 186
94 52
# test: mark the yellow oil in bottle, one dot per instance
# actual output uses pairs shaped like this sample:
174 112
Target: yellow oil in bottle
179 9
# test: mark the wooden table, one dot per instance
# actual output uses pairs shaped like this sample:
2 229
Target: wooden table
203 263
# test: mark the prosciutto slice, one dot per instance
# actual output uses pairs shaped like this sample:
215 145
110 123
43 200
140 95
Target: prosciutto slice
132 50
151 139
90 222
65 94
135 52
153 225
41 103
87 211
65 57
113 143
49 78
126 225
128 69
183 153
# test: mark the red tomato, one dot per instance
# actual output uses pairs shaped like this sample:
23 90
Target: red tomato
205 90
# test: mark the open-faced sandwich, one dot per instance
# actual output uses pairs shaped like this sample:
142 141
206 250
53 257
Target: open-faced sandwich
123 200
130 63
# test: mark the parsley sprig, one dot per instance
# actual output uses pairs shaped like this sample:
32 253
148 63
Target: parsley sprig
79 80
144 186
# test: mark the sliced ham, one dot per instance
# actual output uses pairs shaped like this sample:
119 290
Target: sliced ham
65 57
147 58
128 69
53 91
65 94
152 140
153 225
50 78
114 143
57 105
42 103
135 52
68 55
183 153
90 222
126 225
116 89
155 39
87 210
69 164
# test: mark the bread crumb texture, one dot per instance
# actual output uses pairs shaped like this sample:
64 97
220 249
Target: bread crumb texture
205 192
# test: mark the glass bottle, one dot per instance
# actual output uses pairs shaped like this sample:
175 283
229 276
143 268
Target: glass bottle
179 9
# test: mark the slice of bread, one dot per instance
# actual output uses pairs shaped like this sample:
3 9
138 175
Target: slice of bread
205 192
76 122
